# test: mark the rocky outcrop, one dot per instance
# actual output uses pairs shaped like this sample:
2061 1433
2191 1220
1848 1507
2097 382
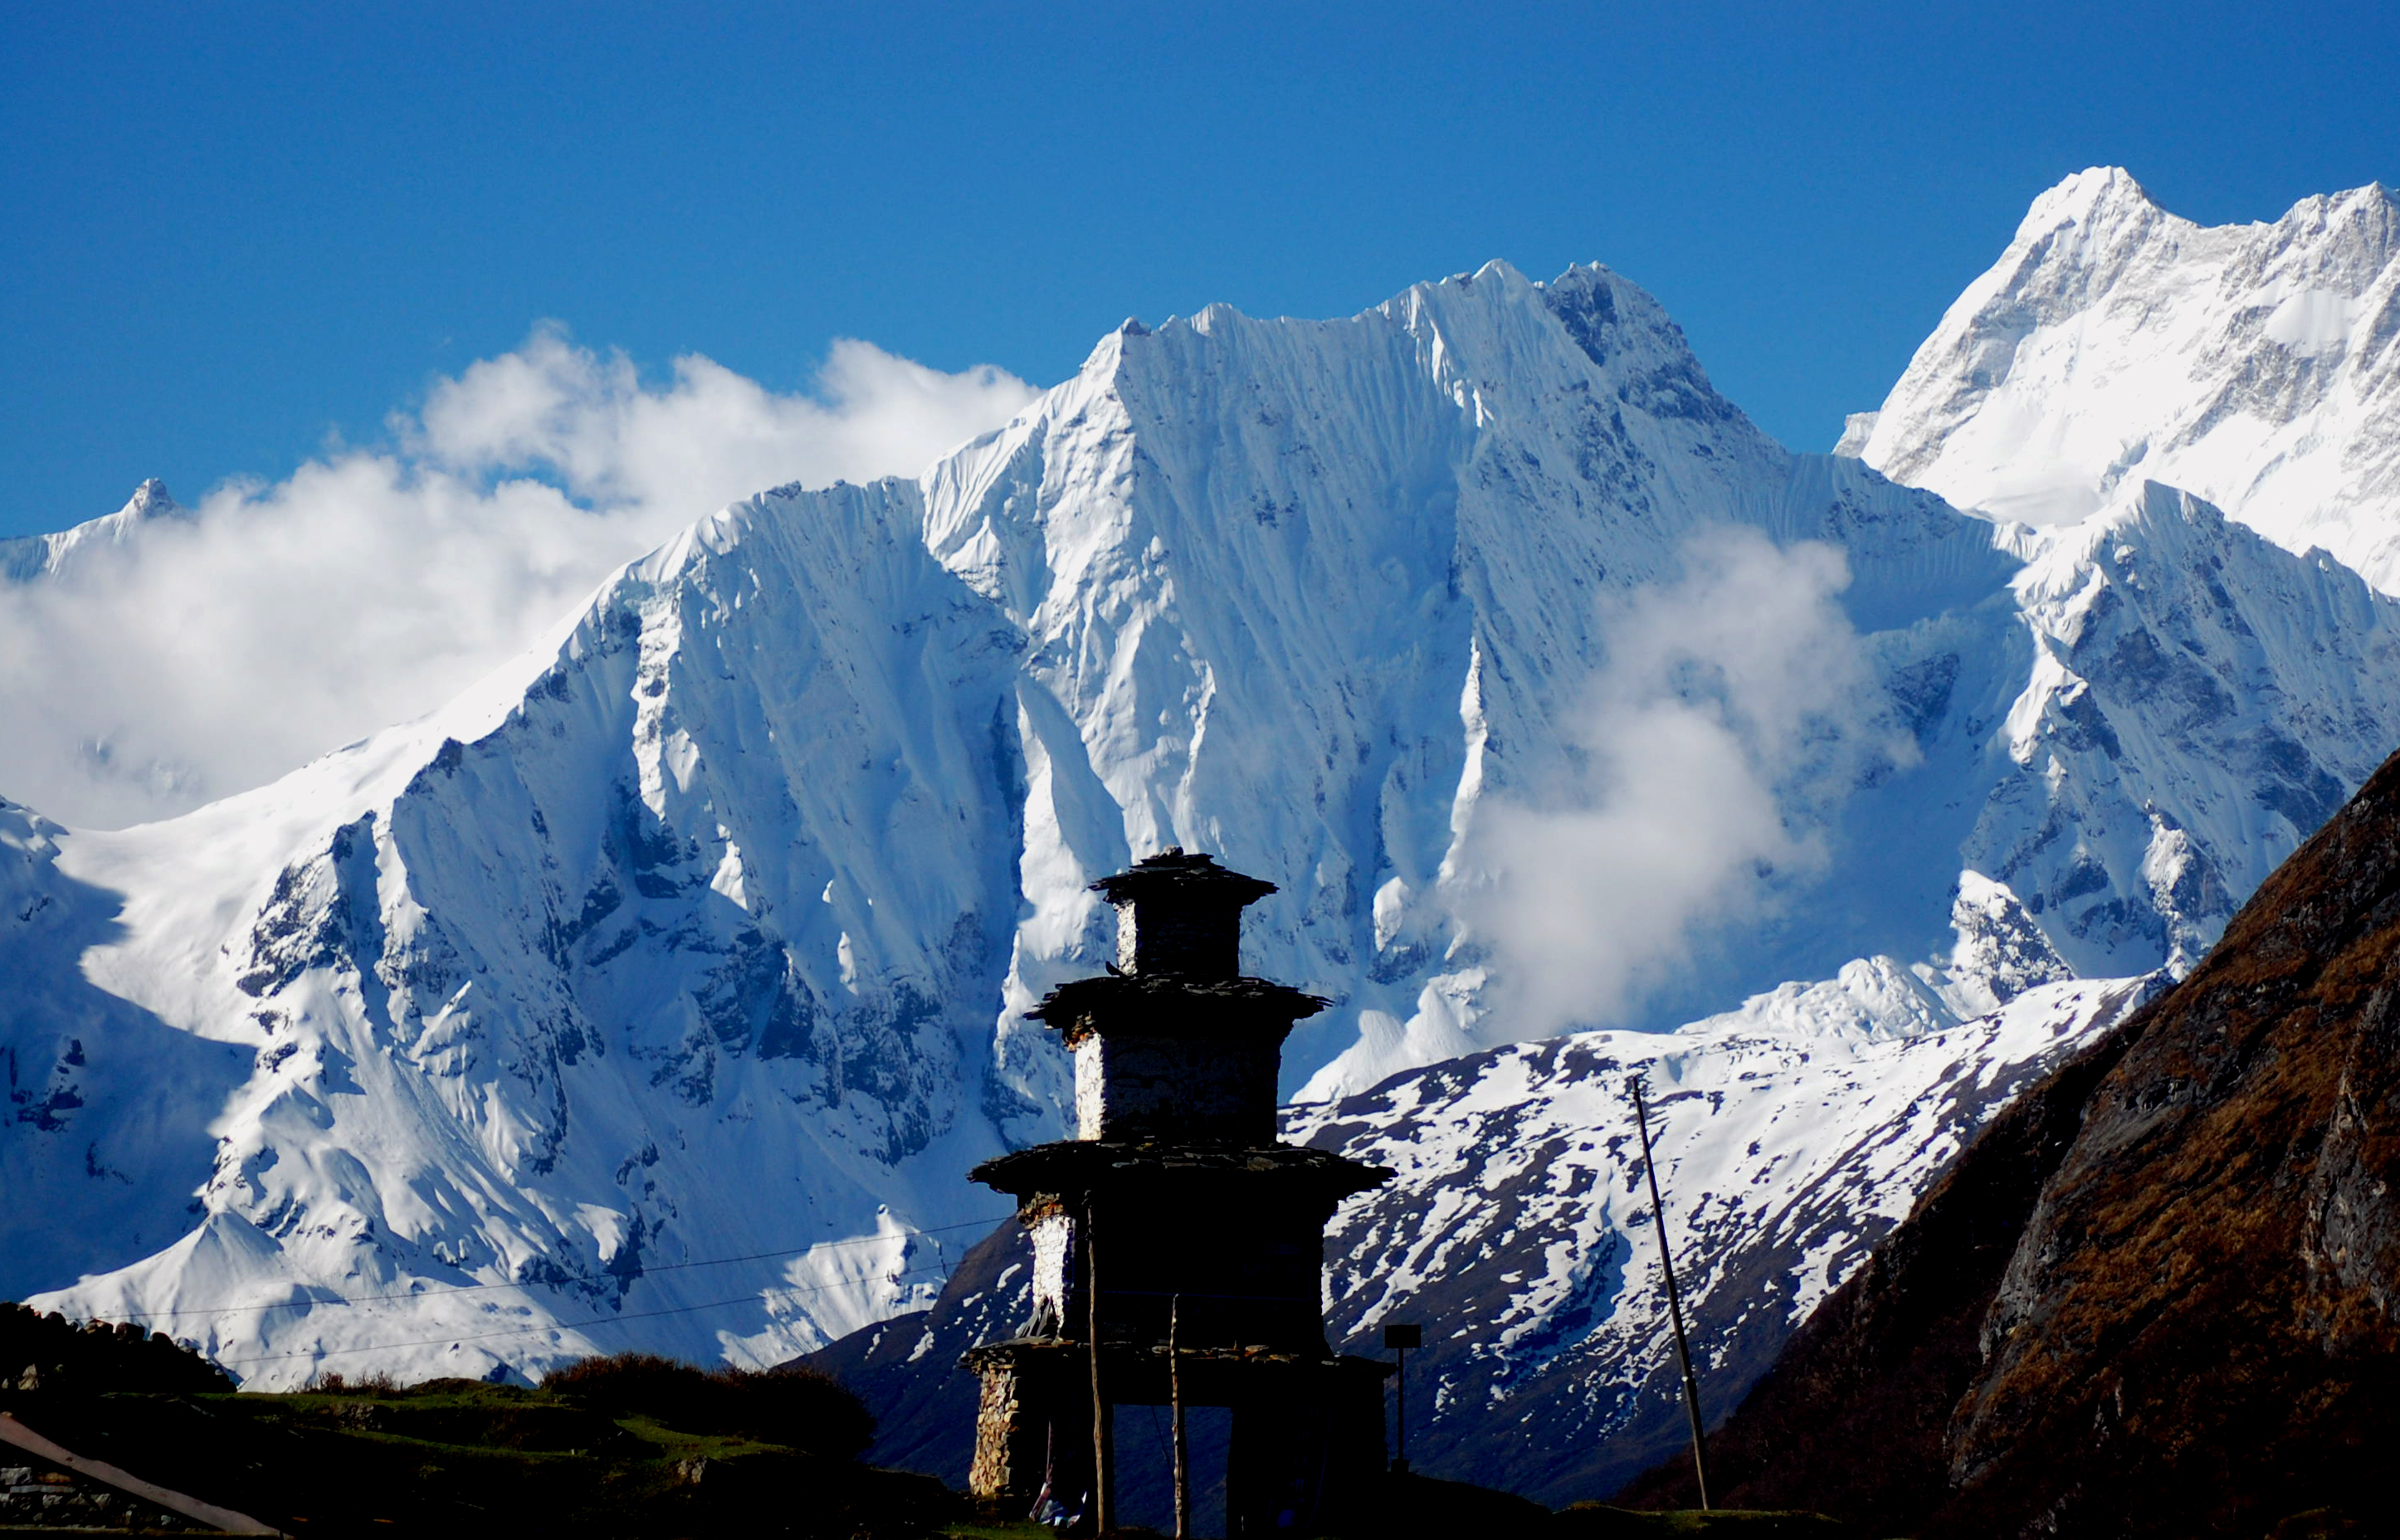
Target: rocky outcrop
44 1353
2156 1297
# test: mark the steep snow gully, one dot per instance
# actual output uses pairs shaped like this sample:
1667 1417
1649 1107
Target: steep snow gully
659 991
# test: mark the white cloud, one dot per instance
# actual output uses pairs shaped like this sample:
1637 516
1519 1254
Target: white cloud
1733 713
214 654
712 436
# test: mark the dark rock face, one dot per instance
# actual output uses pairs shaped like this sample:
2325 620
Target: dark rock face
49 1353
2160 1295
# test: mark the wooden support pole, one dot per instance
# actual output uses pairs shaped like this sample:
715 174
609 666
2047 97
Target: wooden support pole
1675 1305
1103 1475
1399 1338
1175 1396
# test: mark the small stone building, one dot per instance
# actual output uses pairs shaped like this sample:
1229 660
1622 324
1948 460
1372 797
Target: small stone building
1176 1200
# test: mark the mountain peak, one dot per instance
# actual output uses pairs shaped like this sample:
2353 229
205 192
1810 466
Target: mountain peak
151 500
31 558
2115 343
2080 199
1500 270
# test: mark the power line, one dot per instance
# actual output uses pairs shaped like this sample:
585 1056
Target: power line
552 1326
471 1288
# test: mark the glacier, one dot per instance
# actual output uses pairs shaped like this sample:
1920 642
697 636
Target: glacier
658 991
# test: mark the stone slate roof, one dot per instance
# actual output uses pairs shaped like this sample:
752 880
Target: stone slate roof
1082 1164
1172 1002
1171 871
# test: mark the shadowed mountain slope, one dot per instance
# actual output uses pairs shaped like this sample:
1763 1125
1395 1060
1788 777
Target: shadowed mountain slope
2156 1297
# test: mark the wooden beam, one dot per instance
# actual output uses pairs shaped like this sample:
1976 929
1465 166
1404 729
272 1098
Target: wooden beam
1103 1456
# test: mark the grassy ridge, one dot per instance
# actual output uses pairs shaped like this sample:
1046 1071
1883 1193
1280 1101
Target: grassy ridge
625 1447
459 1457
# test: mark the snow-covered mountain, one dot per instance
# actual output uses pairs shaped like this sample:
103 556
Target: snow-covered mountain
31 558
2253 365
2199 700
660 990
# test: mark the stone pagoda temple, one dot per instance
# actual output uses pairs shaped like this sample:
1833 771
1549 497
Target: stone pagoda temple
1174 1217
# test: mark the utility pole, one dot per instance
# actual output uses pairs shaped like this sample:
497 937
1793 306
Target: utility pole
1175 1396
1674 1302
1103 1505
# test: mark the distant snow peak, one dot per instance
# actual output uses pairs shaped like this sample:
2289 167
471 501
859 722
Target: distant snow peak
217 652
2159 621
1868 999
150 500
33 558
1857 428
1999 953
2256 365
2094 193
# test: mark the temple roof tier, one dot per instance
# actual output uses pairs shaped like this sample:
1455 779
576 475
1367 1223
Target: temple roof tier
1172 873
1171 1003
1082 1166
1077 1353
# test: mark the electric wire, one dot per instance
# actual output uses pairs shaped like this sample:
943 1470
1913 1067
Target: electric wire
547 1325
478 1287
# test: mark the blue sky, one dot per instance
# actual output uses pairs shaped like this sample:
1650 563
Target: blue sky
230 231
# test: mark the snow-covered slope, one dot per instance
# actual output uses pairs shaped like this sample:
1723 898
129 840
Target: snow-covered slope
2254 365
660 991
540 992
2199 701
30 558
108 1133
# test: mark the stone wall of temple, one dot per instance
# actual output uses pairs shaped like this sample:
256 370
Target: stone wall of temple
1137 1088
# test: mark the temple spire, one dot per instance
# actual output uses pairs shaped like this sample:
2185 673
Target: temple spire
1180 913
